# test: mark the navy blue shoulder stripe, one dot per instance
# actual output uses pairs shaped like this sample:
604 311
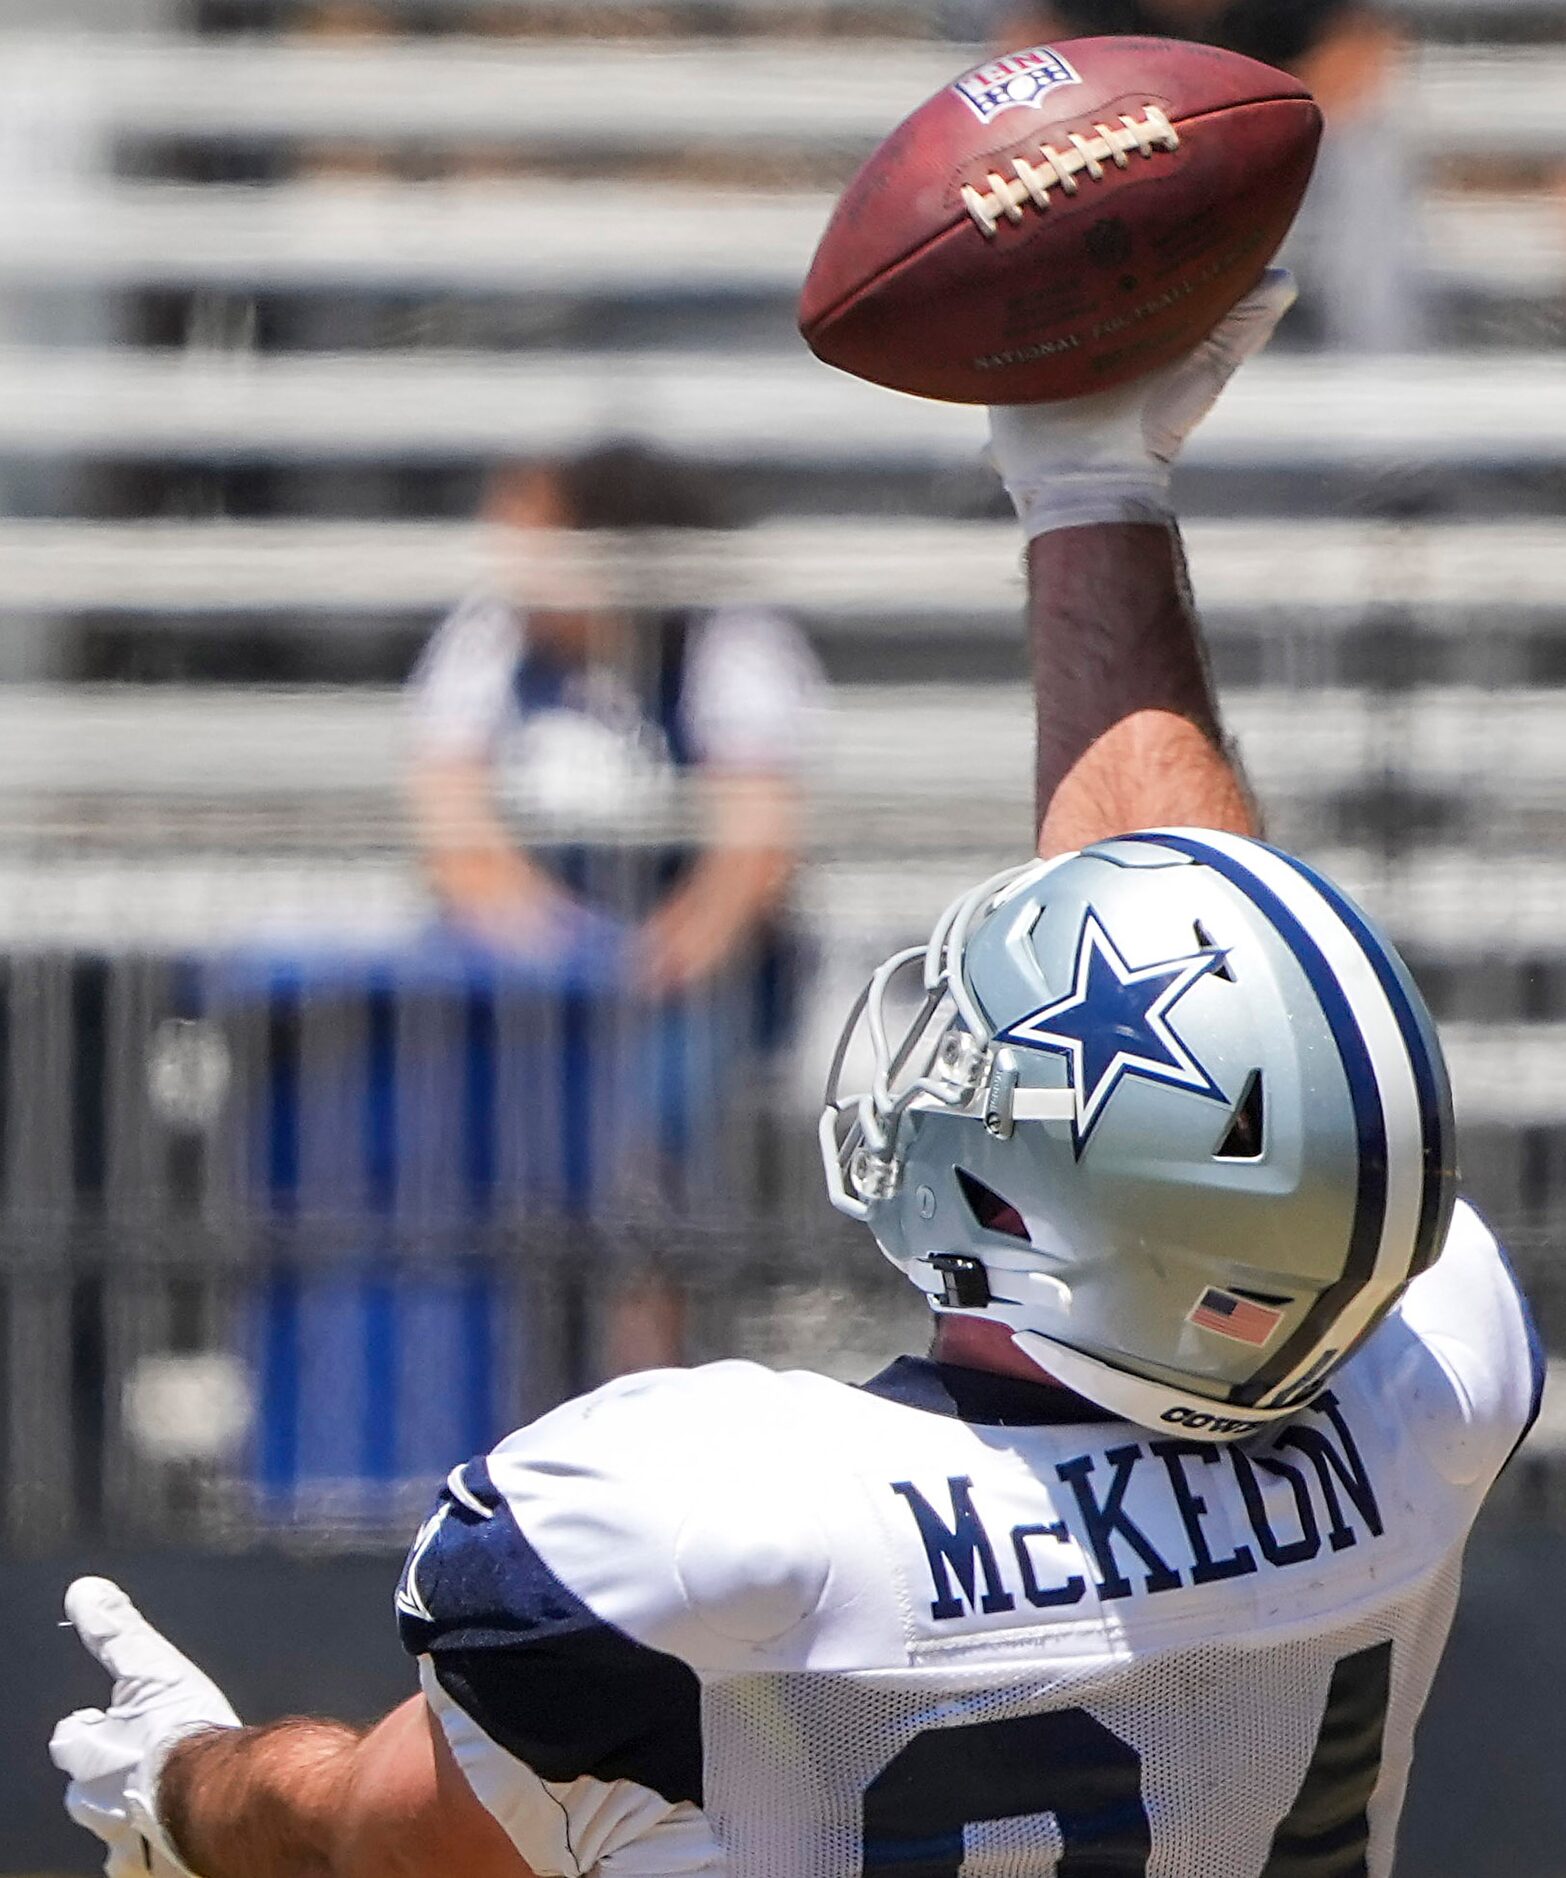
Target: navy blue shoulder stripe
533 1665
1370 1202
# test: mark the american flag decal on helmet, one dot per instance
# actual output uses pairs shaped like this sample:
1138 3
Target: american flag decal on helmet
1234 1317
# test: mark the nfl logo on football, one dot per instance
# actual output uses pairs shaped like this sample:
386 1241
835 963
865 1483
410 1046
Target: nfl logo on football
1018 78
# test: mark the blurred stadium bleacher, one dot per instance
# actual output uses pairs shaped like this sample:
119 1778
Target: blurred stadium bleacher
271 301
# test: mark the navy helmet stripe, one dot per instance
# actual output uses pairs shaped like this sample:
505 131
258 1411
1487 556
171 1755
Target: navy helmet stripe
1435 1127
1370 1128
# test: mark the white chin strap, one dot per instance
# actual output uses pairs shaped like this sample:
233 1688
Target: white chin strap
1159 1405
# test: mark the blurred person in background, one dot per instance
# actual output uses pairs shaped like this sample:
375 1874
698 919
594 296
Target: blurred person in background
591 781
1355 245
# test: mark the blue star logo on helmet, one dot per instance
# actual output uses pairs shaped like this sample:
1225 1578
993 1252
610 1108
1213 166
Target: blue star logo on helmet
1115 1022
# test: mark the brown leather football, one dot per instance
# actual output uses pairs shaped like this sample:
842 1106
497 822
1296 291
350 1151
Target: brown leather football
1061 220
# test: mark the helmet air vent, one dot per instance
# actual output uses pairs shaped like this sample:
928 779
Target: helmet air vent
1204 939
1246 1136
990 1212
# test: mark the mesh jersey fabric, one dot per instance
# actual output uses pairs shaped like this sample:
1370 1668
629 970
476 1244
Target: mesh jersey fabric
737 1621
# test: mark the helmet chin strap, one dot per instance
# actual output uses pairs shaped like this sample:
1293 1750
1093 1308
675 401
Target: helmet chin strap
1149 1404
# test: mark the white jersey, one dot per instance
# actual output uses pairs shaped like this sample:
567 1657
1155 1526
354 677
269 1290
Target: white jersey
729 1620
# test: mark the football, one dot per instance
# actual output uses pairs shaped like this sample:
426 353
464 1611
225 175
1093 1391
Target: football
1061 220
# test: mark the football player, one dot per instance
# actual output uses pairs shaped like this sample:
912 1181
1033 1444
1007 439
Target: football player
1148 1566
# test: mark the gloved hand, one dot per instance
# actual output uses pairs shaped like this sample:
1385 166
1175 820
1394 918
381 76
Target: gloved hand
114 1759
1106 457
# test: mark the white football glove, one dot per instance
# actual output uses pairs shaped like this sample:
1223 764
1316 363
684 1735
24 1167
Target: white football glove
114 1759
1106 457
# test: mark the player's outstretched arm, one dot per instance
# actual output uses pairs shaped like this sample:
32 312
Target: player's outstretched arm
1129 733
311 1799
173 1785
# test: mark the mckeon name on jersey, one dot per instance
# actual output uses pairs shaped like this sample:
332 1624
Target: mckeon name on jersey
733 1620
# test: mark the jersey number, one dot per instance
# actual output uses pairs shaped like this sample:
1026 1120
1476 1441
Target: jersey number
1067 1764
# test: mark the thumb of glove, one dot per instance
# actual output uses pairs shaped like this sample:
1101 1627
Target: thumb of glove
88 1744
149 1672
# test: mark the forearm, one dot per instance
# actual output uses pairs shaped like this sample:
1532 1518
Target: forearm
1129 733
710 917
471 859
260 1802
316 1799
475 881
741 878
736 888
1128 729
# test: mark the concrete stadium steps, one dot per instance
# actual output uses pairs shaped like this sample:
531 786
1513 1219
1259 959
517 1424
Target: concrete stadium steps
631 238
851 576
1286 414
1445 903
1320 760
626 237
1490 244
103 750
736 96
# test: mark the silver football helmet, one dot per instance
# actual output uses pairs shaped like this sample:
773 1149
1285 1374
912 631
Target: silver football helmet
1170 1108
